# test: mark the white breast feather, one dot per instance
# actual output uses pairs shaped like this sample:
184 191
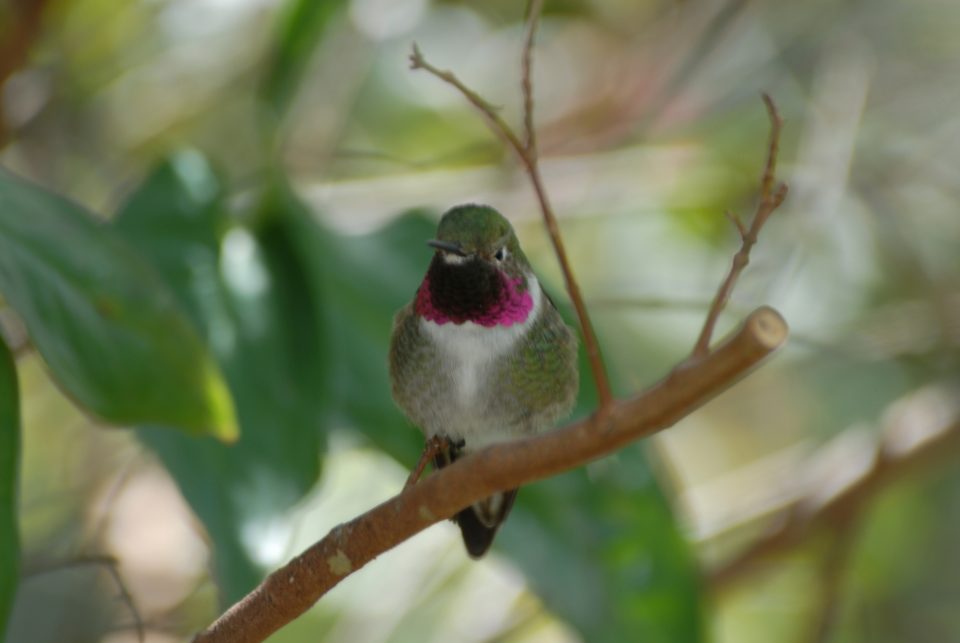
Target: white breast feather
470 347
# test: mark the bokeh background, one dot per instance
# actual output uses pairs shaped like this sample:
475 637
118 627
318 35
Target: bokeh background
281 166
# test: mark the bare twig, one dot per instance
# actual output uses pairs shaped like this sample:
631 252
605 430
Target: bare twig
292 589
770 200
497 124
737 222
526 152
127 599
97 560
526 73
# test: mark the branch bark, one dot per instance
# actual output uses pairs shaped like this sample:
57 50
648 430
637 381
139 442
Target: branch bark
291 590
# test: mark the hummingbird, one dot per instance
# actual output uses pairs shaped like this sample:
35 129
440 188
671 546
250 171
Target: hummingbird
481 355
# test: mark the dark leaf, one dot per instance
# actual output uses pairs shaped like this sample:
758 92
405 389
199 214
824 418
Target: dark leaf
106 324
248 292
367 279
602 549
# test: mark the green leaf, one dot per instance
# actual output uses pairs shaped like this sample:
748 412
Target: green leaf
369 278
9 473
302 23
602 549
247 290
105 323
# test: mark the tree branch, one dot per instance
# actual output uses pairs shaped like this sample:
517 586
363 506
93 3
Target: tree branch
925 427
770 200
527 153
294 588
291 590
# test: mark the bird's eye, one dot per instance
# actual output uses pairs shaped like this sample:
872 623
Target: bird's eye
501 254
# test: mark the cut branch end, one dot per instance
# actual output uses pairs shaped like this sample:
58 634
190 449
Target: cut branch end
768 327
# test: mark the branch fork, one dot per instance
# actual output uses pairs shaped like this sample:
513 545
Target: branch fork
770 199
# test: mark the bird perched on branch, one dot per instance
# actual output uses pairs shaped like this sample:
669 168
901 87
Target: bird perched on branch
481 354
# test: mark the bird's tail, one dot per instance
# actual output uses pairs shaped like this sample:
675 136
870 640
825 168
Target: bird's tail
480 521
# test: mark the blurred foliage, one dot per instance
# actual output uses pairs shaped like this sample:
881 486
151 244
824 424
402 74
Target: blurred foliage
268 171
102 319
301 26
245 290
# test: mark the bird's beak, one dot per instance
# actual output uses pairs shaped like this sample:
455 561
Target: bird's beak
447 246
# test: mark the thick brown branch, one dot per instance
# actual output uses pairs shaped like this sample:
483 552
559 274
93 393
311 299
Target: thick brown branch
770 200
527 154
291 590
927 427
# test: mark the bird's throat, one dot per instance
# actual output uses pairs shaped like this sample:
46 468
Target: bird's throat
472 291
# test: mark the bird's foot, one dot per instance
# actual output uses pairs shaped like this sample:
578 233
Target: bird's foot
432 448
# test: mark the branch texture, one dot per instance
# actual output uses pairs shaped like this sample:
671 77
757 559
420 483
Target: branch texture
292 589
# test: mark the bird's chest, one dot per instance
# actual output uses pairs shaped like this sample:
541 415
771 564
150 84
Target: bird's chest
470 357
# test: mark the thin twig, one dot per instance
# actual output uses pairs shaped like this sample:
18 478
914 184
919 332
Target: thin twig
293 588
98 560
736 221
526 73
60 565
526 152
127 599
497 124
770 200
